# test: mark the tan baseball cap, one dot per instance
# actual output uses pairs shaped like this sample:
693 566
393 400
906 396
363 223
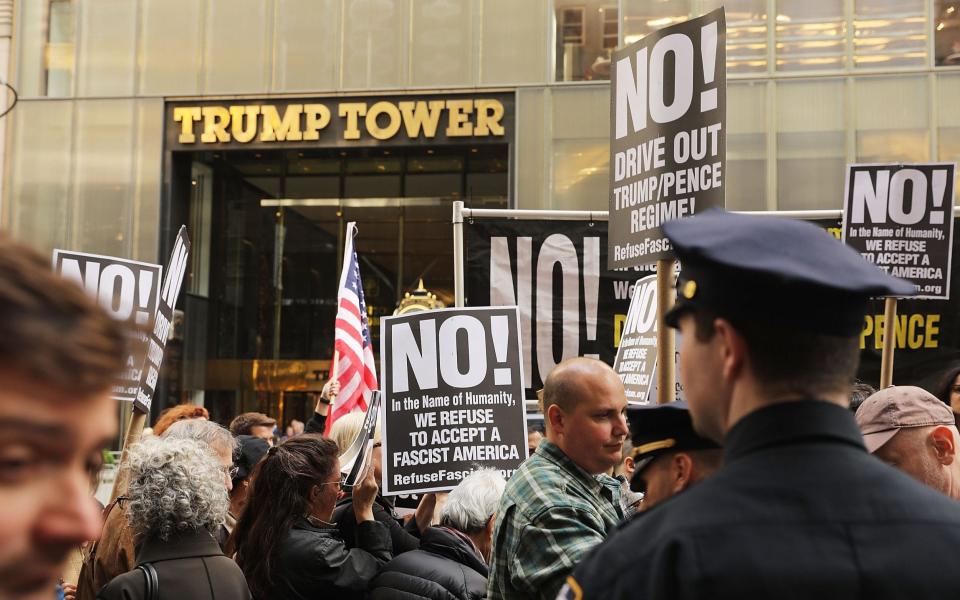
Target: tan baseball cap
888 411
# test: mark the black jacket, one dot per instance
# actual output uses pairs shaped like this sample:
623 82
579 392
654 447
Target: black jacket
312 562
446 567
403 538
799 510
188 565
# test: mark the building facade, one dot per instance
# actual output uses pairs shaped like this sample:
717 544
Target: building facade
265 125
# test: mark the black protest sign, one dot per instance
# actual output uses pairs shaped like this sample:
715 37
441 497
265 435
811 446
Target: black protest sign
667 135
637 356
554 272
900 217
452 397
169 293
129 291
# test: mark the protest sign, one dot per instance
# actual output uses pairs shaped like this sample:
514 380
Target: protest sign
667 135
637 356
169 293
554 272
452 397
899 217
129 291
353 460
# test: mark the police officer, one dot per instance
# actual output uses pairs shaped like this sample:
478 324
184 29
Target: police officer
668 455
770 312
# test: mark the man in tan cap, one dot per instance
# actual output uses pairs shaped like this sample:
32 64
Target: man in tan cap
910 429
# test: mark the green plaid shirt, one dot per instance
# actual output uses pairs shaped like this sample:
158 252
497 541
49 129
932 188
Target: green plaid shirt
552 513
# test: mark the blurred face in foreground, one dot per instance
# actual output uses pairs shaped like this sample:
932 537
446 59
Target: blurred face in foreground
50 443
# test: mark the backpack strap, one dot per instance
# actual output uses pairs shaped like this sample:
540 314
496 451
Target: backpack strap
153 586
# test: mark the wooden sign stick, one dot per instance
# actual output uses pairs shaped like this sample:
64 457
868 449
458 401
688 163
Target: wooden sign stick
889 338
665 337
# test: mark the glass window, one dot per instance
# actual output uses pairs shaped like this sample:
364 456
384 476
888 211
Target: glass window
586 35
60 48
307 44
170 46
531 162
513 46
581 148
746 175
237 56
149 163
889 33
581 174
441 43
946 27
811 36
948 90
374 43
642 18
746 33
811 139
39 158
892 119
104 165
107 54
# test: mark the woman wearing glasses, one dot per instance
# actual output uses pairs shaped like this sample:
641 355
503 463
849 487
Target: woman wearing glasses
286 543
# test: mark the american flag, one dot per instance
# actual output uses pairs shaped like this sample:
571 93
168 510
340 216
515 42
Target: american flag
356 369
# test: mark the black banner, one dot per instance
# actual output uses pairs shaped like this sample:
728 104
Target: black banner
667 134
127 289
452 397
927 331
554 272
899 218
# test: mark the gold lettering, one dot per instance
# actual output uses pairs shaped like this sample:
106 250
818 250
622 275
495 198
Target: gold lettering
277 130
931 330
867 330
418 117
318 117
914 338
244 132
187 116
215 121
383 108
618 321
489 114
458 119
352 110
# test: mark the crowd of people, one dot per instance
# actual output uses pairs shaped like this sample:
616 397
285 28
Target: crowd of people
779 476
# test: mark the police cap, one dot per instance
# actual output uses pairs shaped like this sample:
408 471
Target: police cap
659 429
785 272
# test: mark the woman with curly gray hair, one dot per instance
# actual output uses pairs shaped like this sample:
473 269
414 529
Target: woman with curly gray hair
177 501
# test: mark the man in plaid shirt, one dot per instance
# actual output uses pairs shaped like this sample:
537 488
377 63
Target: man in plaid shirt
560 503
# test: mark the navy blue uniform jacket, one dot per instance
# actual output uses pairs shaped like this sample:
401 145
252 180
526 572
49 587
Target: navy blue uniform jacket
799 510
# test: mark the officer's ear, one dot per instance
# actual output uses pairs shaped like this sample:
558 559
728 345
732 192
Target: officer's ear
732 347
681 472
944 445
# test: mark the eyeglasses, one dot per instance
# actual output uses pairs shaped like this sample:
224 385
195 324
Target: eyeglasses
230 472
338 483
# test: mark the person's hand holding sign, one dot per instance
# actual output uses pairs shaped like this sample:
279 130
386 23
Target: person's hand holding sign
365 491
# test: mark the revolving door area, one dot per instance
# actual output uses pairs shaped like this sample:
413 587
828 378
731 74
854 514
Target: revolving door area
268 237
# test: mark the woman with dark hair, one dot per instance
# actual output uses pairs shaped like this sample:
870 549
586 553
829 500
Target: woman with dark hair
286 544
948 389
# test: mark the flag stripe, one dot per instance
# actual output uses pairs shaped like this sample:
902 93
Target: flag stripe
356 367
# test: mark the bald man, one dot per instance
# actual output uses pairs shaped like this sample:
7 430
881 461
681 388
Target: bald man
911 429
560 504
